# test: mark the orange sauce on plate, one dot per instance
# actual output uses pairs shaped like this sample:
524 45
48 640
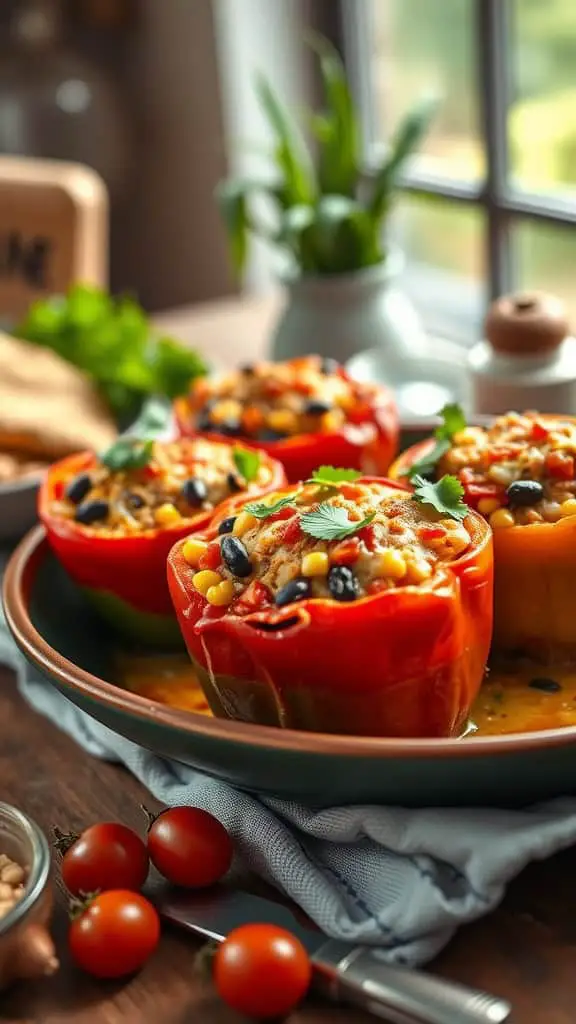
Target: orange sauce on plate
518 698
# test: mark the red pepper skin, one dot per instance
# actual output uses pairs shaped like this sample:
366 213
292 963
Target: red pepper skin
401 662
368 446
124 577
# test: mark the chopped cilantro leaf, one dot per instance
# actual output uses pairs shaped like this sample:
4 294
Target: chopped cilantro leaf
445 496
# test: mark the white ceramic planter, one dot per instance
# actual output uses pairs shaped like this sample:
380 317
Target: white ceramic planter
344 314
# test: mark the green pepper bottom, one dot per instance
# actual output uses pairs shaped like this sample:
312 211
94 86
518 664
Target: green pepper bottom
147 628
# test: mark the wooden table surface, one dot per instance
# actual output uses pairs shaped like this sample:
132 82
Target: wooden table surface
525 951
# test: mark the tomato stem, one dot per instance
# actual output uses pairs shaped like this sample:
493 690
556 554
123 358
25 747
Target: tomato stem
204 960
78 904
64 841
150 816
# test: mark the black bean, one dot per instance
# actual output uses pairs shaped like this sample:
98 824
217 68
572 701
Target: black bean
91 512
135 500
230 428
194 492
267 434
342 583
234 483
227 525
329 366
545 685
295 590
316 408
235 556
204 422
524 493
247 369
79 487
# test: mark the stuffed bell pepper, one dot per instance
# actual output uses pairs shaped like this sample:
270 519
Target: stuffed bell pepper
520 474
306 412
111 521
343 605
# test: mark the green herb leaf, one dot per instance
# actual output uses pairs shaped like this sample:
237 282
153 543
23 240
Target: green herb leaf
154 419
113 342
330 476
290 154
445 496
247 463
260 510
453 421
408 136
128 453
338 131
330 522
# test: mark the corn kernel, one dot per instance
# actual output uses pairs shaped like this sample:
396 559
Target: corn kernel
228 409
486 506
243 522
205 579
568 507
390 563
418 570
501 518
166 514
316 563
221 594
331 421
192 550
283 420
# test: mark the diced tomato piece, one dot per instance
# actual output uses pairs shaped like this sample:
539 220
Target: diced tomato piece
58 490
368 535
501 454
274 388
350 491
427 533
212 557
292 531
560 465
282 513
346 553
377 586
252 419
539 431
256 596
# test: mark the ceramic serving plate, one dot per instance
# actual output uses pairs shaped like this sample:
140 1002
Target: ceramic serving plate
76 653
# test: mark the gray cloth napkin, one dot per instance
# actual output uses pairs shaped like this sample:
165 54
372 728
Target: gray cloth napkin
402 880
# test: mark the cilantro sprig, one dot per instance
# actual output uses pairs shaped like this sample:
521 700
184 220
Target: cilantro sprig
453 421
260 510
331 476
112 340
331 522
134 450
445 496
247 463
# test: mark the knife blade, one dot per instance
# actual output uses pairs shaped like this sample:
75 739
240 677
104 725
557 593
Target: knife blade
343 972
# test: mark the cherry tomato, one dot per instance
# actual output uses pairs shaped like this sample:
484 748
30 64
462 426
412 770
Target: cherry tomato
105 856
261 971
115 934
189 847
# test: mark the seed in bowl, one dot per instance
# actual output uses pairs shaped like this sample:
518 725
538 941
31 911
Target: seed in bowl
180 480
12 884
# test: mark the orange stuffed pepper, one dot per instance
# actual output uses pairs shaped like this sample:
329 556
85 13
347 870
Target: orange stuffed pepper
306 413
339 605
520 474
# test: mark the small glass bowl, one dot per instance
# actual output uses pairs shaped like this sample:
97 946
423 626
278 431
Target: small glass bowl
26 948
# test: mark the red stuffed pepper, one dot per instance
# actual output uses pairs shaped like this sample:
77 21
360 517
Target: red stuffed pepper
112 528
347 606
306 412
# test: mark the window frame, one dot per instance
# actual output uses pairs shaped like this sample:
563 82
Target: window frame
347 24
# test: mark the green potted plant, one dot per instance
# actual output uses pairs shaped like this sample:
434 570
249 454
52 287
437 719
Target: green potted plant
326 213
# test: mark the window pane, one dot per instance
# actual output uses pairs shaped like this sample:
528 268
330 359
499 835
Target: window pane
422 46
545 257
542 126
443 245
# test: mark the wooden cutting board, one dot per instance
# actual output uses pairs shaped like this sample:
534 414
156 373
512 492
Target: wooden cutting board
53 231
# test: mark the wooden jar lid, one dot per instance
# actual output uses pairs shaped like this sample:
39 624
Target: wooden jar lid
526 324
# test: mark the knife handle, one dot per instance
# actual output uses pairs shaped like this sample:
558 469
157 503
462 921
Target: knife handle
400 995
